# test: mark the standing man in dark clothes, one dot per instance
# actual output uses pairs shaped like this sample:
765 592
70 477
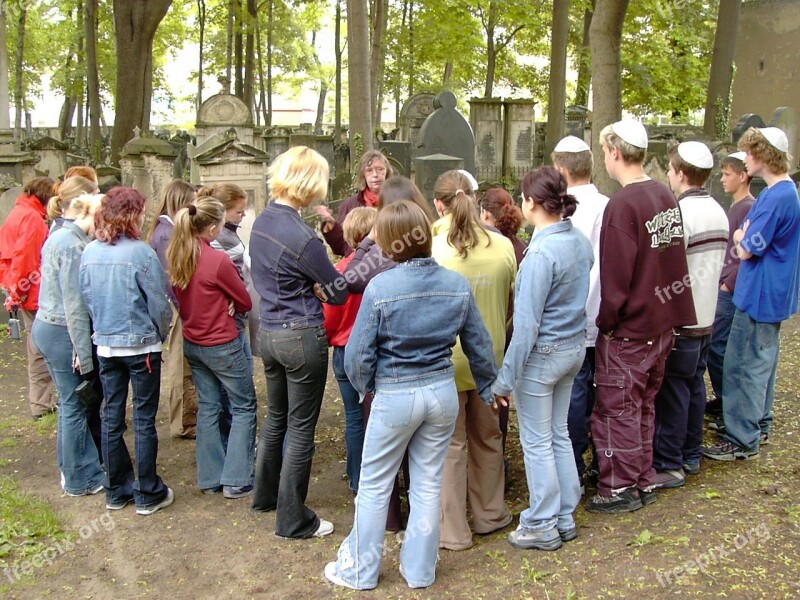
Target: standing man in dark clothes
643 280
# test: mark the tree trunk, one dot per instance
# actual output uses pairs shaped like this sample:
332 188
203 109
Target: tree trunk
379 17
80 84
19 94
491 55
337 42
250 55
262 95
584 61
557 96
229 44
604 39
5 106
135 24
410 48
270 26
65 117
201 21
358 76
239 52
323 94
93 80
718 99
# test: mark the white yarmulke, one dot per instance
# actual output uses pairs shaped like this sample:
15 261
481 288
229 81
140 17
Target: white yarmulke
632 132
776 137
738 155
472 181
696 154
572 144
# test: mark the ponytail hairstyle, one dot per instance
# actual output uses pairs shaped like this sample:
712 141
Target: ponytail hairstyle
548 188
84 171
184 246
454 190
507 215
229 194
85 204
65 192
177 194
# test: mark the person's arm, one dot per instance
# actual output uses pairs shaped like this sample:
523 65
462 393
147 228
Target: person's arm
26 258
79 325
366 263
361 351
617 261
314 263
758 229
533 287
232 285
153 281
479 350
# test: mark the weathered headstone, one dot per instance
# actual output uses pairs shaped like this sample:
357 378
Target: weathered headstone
744 123
147 165
15 163
276 140
428 168
446 132
221 112
486 119
575 121
786 119
7 201
399 154
52 155
412 115
519 137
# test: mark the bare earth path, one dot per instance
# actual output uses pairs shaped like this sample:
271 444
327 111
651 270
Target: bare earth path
739 521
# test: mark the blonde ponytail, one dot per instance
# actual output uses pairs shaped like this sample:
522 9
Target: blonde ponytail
454 191
184 247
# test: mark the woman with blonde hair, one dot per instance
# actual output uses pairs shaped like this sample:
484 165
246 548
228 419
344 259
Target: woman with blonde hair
209 292
62 332
473 467
289 263
177 194
65 192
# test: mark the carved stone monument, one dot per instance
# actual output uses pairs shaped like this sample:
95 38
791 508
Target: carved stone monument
413 114
221 112
446 132
147 164
52 155
486 119
519 137
428 169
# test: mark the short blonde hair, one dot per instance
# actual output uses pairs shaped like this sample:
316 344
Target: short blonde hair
299 174
65 192
629 152
357 224
756 145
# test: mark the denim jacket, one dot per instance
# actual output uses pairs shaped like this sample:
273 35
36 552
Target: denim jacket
407 326
123 286
60 301
549 298
287 259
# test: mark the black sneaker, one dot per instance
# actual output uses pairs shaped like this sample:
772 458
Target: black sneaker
727 450
627 500
647 496
717 425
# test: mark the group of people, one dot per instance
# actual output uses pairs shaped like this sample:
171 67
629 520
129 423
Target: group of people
599 330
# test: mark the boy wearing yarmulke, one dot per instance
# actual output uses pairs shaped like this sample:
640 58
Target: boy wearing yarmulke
766 294
642 261
735 181
572 157
681 401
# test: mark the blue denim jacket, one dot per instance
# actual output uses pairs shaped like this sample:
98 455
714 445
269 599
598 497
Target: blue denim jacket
549 298
407 326
123 287
60 301
287 259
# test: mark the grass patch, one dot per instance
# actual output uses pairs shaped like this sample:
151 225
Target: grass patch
27 527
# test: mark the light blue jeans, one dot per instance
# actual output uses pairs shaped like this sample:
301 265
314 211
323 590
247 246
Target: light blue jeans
542 396
76 453
420 415
214 368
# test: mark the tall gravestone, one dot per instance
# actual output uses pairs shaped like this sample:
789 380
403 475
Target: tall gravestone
519 137
446 132
428 168
744 123
786 119
147 165
221 112
413 114
486 119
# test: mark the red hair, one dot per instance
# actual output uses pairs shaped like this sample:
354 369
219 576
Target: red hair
119 215
507 215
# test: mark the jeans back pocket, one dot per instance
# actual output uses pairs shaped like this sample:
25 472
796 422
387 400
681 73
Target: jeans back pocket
393 408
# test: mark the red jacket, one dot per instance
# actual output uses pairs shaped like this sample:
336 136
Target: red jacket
339 320
21 239
204 303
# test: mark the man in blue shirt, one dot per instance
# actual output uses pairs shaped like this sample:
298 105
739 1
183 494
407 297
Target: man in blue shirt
768 245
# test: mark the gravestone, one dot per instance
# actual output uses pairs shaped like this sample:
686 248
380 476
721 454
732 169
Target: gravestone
15 164
147 164
52 155
744 123
575 121
276 140
519 137
427 171
221 112
486 119
399 154
324 145
412 115
785 118
446 132
7 201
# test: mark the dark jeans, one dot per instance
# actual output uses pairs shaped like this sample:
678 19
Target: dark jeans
680 404
581 403
719 339
143 372
628 376
353 419
296 369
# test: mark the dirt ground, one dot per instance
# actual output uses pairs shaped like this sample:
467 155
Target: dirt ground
737 525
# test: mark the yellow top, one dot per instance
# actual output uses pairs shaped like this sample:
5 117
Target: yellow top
490 269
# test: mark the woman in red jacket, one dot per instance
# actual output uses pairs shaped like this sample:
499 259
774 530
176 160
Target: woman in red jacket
21 239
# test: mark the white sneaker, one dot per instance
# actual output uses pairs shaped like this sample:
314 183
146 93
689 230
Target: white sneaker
332 576
325 528
95 490
163 504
